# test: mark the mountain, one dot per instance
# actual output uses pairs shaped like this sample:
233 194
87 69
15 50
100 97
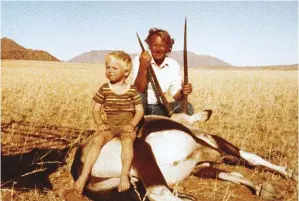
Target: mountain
12 50
194 61
95 56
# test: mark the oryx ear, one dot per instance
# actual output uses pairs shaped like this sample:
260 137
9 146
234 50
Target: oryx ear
189 120
202 116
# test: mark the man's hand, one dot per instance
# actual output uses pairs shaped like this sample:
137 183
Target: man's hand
141 80
145 60
187 89
128 128
103 127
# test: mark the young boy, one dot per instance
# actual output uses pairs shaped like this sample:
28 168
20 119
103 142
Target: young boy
123 107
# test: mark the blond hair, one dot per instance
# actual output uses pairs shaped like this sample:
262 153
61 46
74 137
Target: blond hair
121 57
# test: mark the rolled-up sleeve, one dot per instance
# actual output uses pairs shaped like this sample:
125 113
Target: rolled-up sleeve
99 96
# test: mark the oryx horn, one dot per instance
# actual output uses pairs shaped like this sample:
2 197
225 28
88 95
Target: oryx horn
185 96
156 86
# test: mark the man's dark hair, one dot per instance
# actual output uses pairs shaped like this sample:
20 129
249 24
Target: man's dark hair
163 34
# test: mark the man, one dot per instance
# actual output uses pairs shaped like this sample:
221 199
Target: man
167 71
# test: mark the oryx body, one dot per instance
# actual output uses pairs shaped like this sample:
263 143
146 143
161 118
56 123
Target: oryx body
166 152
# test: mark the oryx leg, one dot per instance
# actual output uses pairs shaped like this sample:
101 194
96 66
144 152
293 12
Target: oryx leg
264 190
214 173
253 159
150 174
257 160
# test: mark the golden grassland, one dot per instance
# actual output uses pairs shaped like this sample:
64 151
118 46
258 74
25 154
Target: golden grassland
255 110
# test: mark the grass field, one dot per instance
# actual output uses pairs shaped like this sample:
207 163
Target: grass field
255 110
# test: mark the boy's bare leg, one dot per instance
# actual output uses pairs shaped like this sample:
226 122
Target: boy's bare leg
126 159
98 141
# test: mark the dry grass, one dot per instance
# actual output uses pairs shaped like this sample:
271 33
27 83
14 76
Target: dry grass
255 110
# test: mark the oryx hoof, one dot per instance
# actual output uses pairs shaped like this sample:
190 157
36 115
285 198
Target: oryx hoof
269 192
293 174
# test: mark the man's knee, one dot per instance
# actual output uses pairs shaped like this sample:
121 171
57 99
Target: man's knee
157 110
190 109
178 107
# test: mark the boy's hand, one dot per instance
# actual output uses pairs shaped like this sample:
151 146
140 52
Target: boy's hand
128 129
103 127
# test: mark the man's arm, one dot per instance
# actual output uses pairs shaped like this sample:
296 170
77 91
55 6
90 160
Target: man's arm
141 80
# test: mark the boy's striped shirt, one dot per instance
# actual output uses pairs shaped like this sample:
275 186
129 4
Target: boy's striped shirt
113 102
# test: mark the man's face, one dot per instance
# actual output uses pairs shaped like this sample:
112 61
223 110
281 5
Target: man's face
158 47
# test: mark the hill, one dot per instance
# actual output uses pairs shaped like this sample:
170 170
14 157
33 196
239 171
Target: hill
13 51
94 56
194 61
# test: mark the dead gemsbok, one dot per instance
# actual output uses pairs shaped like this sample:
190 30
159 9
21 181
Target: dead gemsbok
166 152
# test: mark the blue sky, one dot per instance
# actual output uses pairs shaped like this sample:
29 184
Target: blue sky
246 33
